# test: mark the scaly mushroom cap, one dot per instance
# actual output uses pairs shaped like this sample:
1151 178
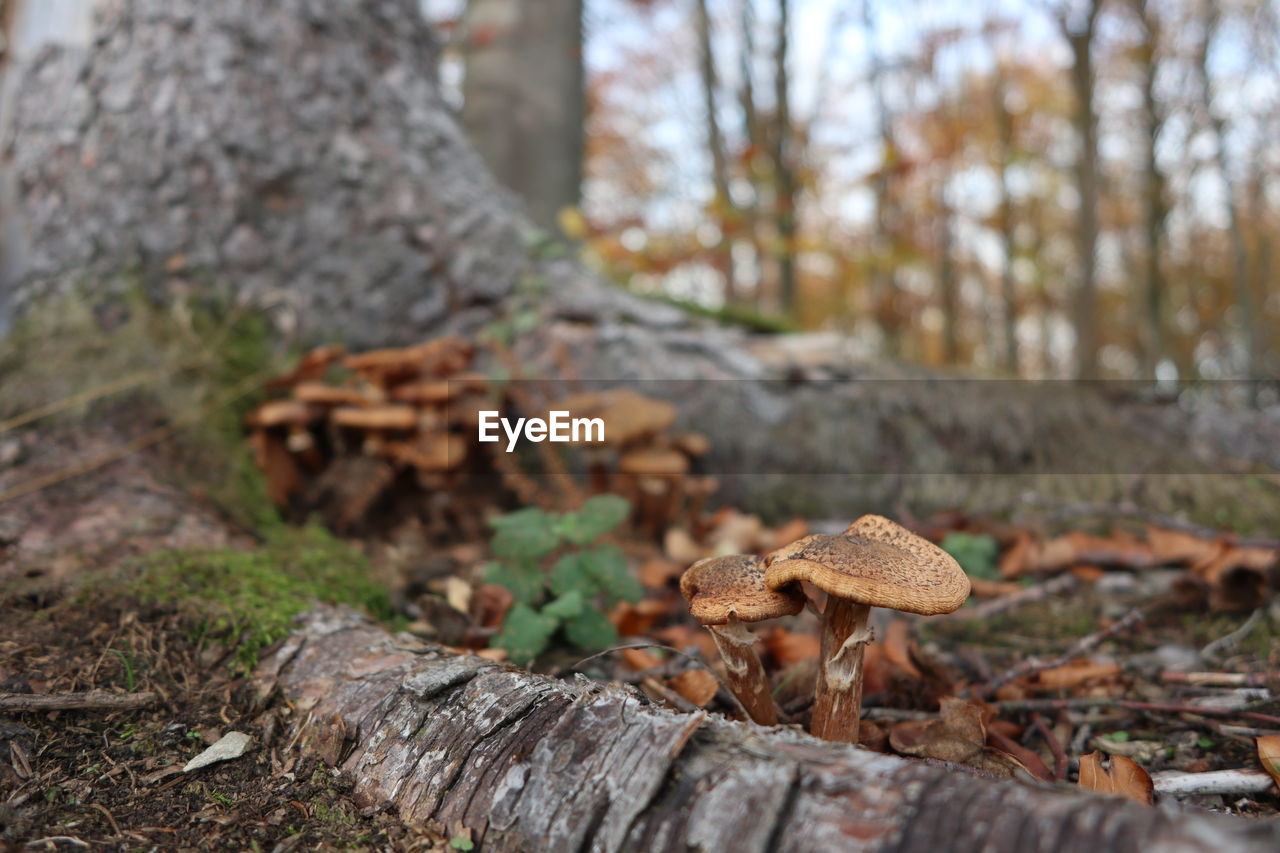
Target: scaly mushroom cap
433 452
329 395
721 587
376 417
874 562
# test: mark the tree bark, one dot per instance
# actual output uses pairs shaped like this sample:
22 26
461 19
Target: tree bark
723 206
1085 316
1008 285
1155 206
530 763
785 191
524 99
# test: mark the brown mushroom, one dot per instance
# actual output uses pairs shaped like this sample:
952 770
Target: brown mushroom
725 592
312 366
273 452
875 563
376 422
319 394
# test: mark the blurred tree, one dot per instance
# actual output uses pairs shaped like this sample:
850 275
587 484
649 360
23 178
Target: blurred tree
524 98
1155 206
1079 27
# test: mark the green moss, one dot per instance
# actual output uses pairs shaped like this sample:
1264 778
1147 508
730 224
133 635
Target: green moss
137 366
248 599
734 315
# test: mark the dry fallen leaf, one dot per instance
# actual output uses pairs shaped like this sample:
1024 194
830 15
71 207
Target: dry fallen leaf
655 574
1073 675
639 659
958 736
1125 778
696 685
897 647
1269 755
1175 547
788 647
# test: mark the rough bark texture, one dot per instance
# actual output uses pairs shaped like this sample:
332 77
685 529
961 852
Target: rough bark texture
529 763
297 154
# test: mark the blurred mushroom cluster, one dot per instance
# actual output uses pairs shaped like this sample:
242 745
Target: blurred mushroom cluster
351 431
643 459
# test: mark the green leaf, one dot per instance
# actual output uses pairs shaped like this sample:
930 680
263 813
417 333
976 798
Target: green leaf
570 574
976 553
591 630
529 533
567 606
460 843
521 578
1205 743
524 633
596 517
607 565
1117 737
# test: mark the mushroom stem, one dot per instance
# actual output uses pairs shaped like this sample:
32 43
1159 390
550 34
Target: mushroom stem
745 672
837 704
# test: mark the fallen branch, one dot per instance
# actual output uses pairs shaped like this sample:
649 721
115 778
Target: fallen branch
93 700
996 606
1178 784
530 763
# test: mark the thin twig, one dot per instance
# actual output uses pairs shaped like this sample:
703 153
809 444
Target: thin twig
1213 651
93 700
1060 760
1080 649
996 606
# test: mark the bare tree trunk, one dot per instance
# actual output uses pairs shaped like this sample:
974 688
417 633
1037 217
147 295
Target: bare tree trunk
531 763
524 98
752 132
1239 254
884 283
723 205
947 277
1008 288
784 176
1155 208
1082 83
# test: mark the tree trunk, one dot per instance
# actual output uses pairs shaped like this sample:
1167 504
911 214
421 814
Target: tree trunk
785 191
530 763
524 99
1155 208
1235 229
1008 286
723 206
1086 297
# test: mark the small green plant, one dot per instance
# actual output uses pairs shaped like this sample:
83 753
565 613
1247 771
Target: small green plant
560 576
126 663
976 553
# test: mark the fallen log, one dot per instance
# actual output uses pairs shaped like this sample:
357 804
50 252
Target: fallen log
531 763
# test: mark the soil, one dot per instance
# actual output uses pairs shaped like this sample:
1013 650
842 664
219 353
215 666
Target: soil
114 780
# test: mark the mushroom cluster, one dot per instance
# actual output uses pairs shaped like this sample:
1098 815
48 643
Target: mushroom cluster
642 459
873 563
392 416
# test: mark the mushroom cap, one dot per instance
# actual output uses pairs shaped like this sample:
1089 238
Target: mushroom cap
376 417
874 562
720 587
653 462
279 413
627 414
437 451
328 395
426 392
